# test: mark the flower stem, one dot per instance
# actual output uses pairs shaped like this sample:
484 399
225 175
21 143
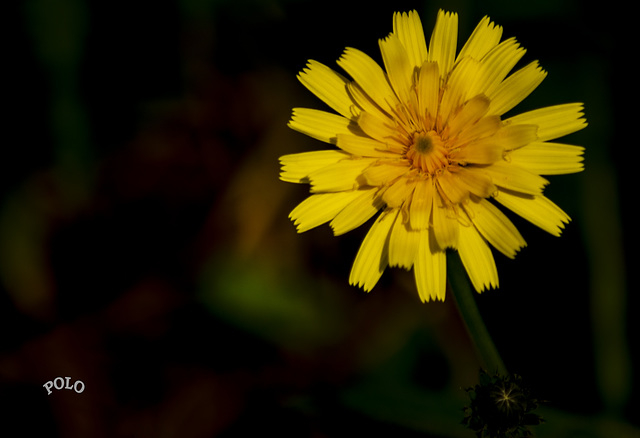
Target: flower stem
465 301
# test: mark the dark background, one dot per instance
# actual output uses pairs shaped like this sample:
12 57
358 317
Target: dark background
145 247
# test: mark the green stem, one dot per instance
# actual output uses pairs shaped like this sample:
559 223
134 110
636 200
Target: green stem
460 287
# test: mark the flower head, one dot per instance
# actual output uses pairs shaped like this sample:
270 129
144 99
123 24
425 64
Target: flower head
425 144
501 407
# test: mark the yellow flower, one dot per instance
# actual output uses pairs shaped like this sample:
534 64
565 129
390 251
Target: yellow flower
425 142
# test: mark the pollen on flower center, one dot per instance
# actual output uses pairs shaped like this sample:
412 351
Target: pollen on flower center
427 152
423 143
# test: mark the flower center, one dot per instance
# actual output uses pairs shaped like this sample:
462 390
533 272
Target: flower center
427 152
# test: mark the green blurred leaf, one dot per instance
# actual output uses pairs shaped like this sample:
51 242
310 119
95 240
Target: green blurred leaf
262 298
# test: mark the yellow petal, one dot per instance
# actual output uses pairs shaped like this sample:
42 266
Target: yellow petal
375 127
489 149
421 203
403 244
373 255
483 151
428 91
398 192
408 28
514 178
365 103
473 181
485 37
546 158
384 172
357 212
477 259
495 227
297 167
485 127
328 85
516 88
342 175
445 227
553 121
320 208
456 90
516 136
444 40
496 65
472 111
320 125
363 146
430 269
452 188
368 74
538 210
399 69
